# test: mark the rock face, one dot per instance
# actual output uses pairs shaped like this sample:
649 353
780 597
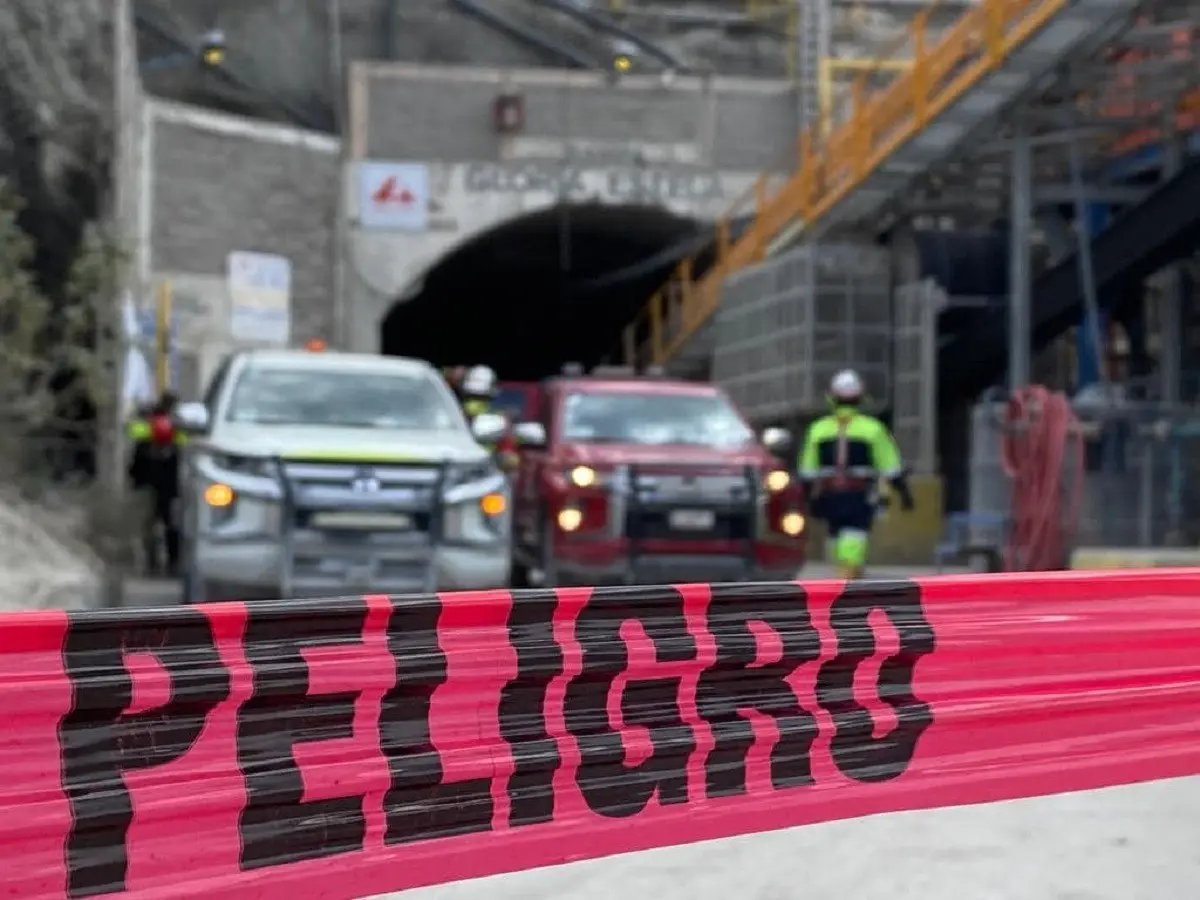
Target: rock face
286 48
57 152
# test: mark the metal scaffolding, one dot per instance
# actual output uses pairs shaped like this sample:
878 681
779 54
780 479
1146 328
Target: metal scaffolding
1040 169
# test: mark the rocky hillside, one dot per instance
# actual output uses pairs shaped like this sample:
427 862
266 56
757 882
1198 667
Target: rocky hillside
283 53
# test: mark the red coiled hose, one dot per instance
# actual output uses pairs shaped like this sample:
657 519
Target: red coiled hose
1041 448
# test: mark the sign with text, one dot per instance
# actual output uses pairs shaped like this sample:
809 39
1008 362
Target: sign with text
603 152
260 298
393 196
622 184
356 746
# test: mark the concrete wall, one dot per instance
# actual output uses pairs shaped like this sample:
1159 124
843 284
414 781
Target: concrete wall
219 183
423 112
727 129
286 46
381 267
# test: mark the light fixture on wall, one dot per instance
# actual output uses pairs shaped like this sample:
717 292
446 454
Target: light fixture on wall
508 113
212 48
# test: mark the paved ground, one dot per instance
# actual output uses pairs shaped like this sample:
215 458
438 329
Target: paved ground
40 566
1132 843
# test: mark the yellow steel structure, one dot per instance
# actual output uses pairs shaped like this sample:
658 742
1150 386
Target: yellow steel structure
831 165
162 336
832 67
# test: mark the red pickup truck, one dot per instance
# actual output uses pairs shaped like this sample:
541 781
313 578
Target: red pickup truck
627 480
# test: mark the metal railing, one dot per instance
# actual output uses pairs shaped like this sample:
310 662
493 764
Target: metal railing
836 154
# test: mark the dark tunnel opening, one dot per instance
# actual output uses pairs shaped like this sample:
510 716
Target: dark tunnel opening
558 285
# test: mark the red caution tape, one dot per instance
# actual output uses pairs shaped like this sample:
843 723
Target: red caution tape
351 747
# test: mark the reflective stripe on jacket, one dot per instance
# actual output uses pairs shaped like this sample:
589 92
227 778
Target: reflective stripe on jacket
850 449
139 430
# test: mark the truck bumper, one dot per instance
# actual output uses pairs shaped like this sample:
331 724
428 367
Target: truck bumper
667 569
252 570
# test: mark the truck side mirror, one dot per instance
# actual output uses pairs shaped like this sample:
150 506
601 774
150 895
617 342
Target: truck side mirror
191 417
530 434
776 439
488 428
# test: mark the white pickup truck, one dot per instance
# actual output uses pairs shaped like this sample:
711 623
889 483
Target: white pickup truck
317 474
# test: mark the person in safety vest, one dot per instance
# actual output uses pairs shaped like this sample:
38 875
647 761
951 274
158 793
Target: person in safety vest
477 392
154 476
454 376
844 456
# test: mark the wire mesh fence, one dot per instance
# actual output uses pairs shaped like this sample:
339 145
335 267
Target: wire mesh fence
1138 477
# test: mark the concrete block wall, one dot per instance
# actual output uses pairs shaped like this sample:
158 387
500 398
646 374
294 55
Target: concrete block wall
220 183
410 112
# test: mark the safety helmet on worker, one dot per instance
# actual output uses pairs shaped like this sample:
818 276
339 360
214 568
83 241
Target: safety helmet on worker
480 381
845 387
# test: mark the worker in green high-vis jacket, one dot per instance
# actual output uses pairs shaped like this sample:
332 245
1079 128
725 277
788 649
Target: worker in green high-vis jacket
154 477
844 456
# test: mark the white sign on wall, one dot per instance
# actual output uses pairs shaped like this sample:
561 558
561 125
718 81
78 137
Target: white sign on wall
393 196
260 298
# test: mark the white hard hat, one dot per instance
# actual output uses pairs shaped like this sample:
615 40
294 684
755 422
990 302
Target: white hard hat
479 380
846 385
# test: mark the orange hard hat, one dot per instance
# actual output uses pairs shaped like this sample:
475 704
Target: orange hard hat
316 345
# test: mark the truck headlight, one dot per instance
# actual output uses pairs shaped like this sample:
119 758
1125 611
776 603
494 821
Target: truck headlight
777 480
481 519
792 524
492 505
219 495
475 505
248 465
583 476
220 502
238 496
470 473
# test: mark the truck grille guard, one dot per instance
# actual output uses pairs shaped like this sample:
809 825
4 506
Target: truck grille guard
426 489
630 501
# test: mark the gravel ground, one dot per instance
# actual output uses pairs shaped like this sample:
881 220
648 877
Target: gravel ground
39 569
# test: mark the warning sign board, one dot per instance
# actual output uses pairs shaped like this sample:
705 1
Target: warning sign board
393 196
260 295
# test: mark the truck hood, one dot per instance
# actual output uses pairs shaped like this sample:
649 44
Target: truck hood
351 444
607 455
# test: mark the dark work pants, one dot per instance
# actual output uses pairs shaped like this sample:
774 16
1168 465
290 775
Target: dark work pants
844 509
159 513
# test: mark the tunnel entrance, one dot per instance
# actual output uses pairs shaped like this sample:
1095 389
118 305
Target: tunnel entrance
542 289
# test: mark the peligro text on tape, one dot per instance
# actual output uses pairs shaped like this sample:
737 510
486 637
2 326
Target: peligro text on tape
585 637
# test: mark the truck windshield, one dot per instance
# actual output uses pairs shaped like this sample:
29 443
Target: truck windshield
703 420
348 399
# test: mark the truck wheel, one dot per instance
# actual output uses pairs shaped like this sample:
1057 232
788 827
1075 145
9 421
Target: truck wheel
194 588
518 577
546 556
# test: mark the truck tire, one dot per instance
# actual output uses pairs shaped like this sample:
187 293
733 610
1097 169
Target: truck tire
518 577
195 588
546 554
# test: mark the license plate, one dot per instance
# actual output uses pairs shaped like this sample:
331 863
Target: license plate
362 521
359 575
693 519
